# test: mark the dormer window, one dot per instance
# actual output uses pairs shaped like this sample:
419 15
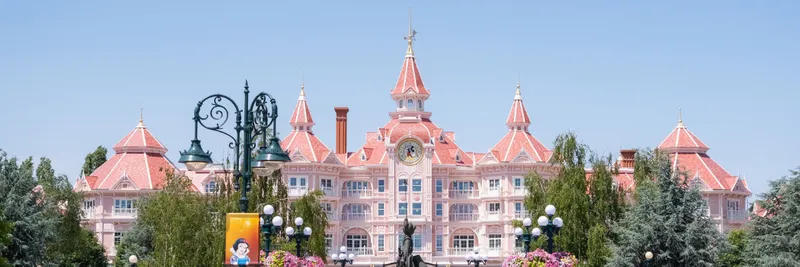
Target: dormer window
363 156
458 157
410 103
211 187
379 137
441 138
302 128
431 140
400 104
419 104
124 186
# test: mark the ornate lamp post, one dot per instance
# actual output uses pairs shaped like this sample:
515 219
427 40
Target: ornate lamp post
298 236
269 226
133 260
258 115
476 259
527 234
648 259
342 259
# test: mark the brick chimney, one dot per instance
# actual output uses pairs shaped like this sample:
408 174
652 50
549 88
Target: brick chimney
341 129
627 158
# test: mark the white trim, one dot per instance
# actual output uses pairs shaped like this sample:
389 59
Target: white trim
709 170
147 168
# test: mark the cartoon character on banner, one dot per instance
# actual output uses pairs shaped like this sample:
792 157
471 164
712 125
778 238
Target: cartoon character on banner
240 249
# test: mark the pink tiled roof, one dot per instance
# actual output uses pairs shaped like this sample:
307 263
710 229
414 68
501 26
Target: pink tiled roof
518 139
518 114
301 114
681 137
302 140
410 80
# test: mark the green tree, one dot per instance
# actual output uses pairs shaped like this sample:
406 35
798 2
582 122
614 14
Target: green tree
308 207
33 228
94 160
733 255
6 228
774 240
598 250
668 219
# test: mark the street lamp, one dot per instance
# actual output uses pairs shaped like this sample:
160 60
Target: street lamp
269 226
648 259
257 118
298 236
527 234
133 260
476 258
342 259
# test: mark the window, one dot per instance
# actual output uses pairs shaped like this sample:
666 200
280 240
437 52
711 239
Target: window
118 237
494 208
494 242
380 243
416 209
439 185
357 185
462 185
303 182
518 183
293 181
379 137
416 185
363 156
419 104
88 207
458 156
403 185
328 242
733 205
439 209
211 187
464 241
381 185
124 207
326 183
410 104
439 242
417 238
400 103
402 208
494 184
380 209
356 241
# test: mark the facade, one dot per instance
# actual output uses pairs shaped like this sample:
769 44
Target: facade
407 168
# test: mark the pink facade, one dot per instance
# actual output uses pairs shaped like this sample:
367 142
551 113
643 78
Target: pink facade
408 167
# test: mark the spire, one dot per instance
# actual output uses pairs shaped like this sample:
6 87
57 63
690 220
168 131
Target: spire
141 118
410 37
680 119
301 117
682 139
518 117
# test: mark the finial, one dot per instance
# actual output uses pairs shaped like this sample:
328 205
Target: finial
246 86
141 118
302 85
680 118
518 95
411 33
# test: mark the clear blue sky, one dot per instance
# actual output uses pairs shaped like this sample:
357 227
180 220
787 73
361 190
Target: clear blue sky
73 74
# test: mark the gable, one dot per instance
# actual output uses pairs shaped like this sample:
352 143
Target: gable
332 159
298 156
699 184
739 187
522 157
125 183
488 159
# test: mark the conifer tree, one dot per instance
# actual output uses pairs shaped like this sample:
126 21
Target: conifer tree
775 238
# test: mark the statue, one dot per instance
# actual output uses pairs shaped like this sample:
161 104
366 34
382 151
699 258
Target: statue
405 257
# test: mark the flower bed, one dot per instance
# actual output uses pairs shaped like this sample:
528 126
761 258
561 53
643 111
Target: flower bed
540 258
280 258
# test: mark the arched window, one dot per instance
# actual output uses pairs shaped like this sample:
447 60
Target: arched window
400 103
410 103
419 104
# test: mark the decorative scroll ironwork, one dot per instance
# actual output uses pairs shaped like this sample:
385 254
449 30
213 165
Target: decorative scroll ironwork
218 115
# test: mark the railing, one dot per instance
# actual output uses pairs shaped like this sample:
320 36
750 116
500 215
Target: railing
519 190
460 251
361 251
356 193
88 213
463 194
519 215
125 212
356 216
332 216
329 191
297 190
737 215
461 217
493 212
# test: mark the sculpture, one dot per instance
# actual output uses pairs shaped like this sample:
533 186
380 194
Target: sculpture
405 257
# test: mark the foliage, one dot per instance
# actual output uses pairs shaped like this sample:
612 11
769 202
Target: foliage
598 250
567 191
280 258
541 258
34 227
669 219
733 255
94 160
138 241
774 240
73 244
6 228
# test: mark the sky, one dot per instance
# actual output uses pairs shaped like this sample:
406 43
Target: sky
75 74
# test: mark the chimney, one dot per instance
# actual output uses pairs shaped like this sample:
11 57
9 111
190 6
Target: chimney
341 129
627 158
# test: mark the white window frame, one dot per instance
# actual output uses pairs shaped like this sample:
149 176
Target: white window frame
493 208
495 242
124 211
494 184
413 209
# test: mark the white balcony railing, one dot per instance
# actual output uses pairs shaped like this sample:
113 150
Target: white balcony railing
464 194
737 215
356 193
493 212
363 251
463 217
356 216
519 190
329 191
332 215
297 190
125 212
88 213
519 215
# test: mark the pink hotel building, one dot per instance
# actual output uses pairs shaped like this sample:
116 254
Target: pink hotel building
407 168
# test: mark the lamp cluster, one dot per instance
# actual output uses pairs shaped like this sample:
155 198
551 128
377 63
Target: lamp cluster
551 228
476 258
343 258
271 225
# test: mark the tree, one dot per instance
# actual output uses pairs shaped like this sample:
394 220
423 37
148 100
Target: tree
668 219
598 250
6 228
773 239
33 228
94 160
308 207
733 256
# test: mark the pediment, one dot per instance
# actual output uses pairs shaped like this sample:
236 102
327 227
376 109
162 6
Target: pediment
210 177
332 159
739 186
523 157
297 156
125 183
488 159
700 184
82 185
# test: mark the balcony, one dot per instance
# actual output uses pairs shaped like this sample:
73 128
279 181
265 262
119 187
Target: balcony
460 251
356 217
329 191
362 251
332 216
464 194
519 215
357 193
87 213
464 217
520 191
125 212
737 215
297 190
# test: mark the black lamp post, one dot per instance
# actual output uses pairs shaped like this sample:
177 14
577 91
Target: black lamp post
298 236
258 115
648 262
475 258
269 226
551 228
343 259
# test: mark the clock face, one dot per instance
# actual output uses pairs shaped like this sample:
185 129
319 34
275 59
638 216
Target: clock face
409 152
